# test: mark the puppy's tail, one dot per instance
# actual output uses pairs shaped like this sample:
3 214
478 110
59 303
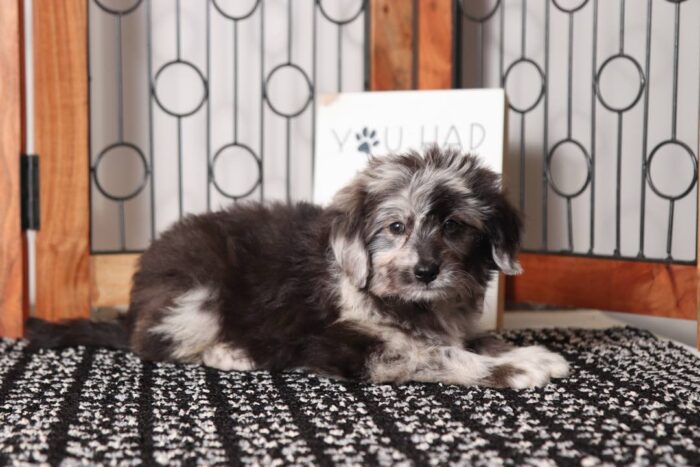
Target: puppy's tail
46 335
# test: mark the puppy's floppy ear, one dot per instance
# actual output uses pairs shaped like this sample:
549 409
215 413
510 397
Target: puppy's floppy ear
504 229
347 234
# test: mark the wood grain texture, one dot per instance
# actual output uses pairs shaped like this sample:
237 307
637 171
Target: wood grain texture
657 289
111 279
61 123
391 44
12 247
435 44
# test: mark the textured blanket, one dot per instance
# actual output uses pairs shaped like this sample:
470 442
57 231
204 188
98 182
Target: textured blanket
631 399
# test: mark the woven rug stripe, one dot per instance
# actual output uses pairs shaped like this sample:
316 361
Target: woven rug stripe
58 436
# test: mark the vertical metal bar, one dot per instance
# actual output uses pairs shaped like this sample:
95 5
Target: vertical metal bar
262 101
120 122
618 185
313 109
235 81
290 25
288 136
522 164
645 134
618 175
289 159
177 28
570 78
149 53
545 154
622 26
179 167
569 223
340 57
120 80
593 125
523 29
669 233
502 38
208 59
676 47
122 226
674 116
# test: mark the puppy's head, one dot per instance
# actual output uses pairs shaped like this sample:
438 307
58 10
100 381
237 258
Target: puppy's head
424 228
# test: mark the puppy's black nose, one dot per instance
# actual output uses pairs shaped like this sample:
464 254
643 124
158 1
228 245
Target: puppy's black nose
426 271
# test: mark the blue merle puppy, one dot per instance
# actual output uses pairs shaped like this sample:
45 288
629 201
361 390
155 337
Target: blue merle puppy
385 285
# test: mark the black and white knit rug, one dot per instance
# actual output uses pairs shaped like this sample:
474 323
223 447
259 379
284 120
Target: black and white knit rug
631 399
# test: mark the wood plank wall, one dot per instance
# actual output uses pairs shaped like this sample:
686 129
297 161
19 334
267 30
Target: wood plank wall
13 304
61 122
410 44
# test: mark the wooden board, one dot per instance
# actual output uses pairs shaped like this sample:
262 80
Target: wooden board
657 289
61 123
12 247
110 278
391 44
435 26
407 33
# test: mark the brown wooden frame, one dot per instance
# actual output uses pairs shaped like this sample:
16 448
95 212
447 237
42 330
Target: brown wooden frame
13 280
658 289
61 122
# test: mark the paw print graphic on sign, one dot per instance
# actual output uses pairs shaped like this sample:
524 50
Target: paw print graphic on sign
366 140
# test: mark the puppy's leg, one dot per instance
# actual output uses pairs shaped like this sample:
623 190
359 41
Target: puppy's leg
487 345
516 368
223 357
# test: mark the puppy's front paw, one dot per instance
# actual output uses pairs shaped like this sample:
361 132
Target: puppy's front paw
526 367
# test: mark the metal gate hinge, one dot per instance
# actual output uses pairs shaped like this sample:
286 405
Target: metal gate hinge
29 181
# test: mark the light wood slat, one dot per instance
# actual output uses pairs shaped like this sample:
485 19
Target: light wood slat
435 25
111 279
61 122
12 246
391 44
657 289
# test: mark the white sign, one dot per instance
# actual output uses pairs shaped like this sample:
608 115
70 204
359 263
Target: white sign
351 126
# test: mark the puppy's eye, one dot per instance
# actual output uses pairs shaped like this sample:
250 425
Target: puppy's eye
397 228
451 226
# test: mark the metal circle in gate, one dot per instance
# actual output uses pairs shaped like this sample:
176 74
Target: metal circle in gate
131 193
571 9
550 178
640 90
276 108
525 62
246 150
479 19
159 99
234 17
118 12
341 22
685 148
